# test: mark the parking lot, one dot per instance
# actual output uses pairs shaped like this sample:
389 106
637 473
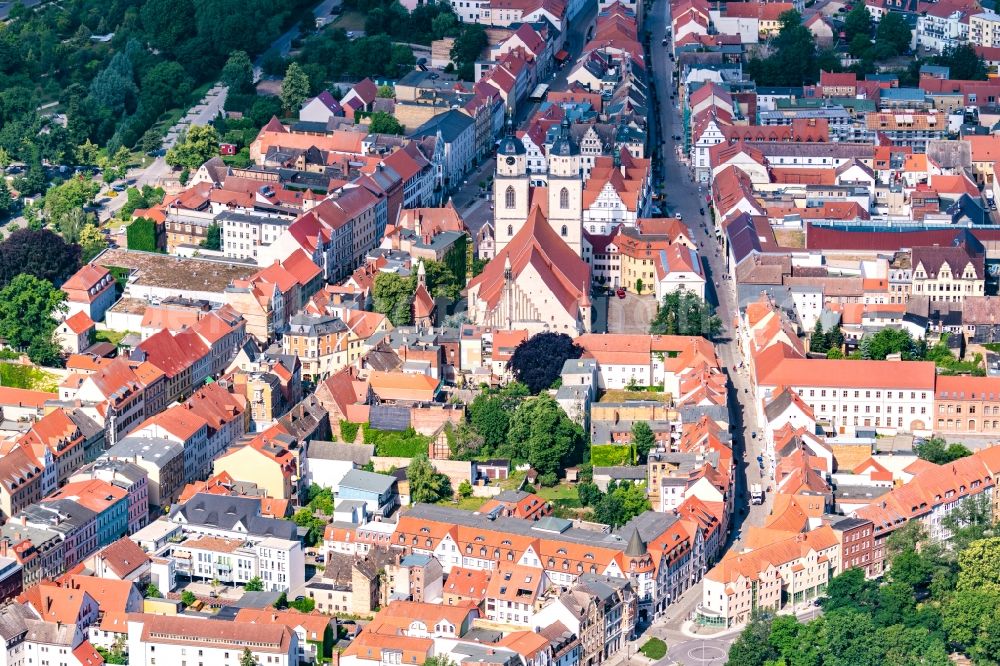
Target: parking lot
631 314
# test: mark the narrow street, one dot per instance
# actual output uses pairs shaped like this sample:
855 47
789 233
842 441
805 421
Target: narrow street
474 208
685 198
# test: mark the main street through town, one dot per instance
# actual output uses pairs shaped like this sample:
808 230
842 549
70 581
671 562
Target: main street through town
683 196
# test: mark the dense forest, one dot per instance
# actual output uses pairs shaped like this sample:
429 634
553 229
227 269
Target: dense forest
115 67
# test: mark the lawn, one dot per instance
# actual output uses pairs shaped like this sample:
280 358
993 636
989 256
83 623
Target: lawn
654 649
562 491
350 21
621 395
31 377
466 503
114 337
610 455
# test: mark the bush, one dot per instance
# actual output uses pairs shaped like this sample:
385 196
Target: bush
188 598
304 605
405 444
610 455
348 430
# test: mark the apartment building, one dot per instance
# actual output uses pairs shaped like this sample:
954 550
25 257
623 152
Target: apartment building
786 571
984 29
169 639
851 395
930 496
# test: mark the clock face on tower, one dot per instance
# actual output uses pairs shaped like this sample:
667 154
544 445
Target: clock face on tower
510 161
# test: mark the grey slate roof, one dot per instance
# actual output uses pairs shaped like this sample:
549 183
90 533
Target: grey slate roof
367 481
451 124
224 512
359 454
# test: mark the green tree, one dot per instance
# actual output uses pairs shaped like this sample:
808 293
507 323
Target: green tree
385 123
427 486
910 569
392 295
978 565
834 338
643 440
295 88
386 92
490 414
939 452
889 341
541 434
684 313
465 489
188 598
963 612
7 203
72 224
87 153
964 63
858 22
73 194
441 660
237 73
150 142
621 503
255 584
442 280
27 306
908 537
752 647
468 46
817 339
444 25
247 658
213 237
197 146
894 31
969 521
465 443
589 493
153 592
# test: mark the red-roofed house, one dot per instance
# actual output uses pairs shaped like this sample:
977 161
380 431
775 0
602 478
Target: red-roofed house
91 290
74 333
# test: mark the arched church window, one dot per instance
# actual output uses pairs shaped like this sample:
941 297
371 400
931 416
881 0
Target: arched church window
564 198
510 229
509 197
565 230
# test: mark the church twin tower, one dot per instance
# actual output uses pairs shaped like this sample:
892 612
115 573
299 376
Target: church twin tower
513 194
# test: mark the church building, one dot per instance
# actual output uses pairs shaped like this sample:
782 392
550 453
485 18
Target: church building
536 282
561 202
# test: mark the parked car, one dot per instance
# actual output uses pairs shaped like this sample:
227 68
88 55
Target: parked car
620 293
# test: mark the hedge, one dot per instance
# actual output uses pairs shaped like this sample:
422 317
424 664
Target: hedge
610 455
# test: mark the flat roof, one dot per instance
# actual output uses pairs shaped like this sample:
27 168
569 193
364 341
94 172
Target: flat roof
170 272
